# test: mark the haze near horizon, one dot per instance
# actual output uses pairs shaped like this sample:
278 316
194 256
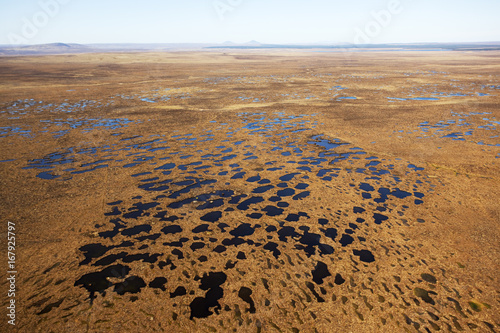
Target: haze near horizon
240 21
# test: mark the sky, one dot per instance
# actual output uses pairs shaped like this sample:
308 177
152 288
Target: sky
240 21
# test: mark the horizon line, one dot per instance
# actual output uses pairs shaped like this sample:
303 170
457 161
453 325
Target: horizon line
253 42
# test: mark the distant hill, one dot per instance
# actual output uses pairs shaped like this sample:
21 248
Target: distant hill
52 48
253 43
65 48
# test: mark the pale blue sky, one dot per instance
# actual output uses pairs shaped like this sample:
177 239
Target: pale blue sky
267 21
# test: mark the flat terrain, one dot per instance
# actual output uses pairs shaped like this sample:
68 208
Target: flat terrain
252 191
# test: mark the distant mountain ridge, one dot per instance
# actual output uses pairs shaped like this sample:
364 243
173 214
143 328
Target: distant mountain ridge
51 48
55 46
253 42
